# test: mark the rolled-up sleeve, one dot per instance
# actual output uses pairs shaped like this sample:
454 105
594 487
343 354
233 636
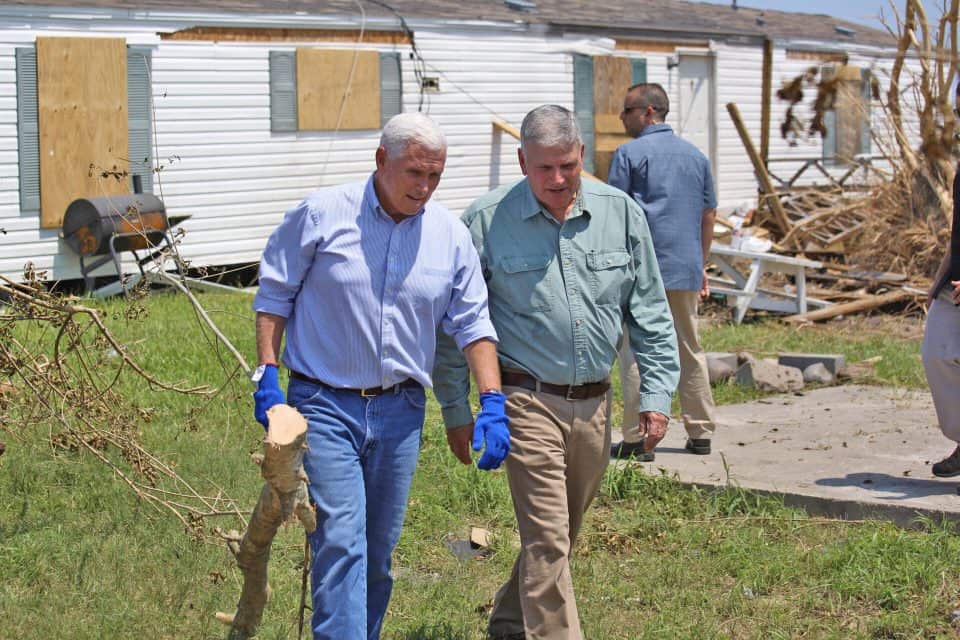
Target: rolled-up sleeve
466 321
287 257
652 336
467 318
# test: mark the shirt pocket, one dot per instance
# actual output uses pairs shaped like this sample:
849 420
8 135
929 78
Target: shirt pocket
609 273
526 283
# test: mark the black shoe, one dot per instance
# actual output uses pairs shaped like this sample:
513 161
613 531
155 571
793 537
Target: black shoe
507 636
631 451
949 466
699 446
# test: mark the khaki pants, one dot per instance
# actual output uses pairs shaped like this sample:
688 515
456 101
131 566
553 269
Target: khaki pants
696 400
559 450
941 362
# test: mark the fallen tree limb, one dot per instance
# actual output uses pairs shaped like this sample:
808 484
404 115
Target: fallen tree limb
873 302
283 496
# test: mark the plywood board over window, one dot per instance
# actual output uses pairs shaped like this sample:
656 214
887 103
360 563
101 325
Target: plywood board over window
851 109
82 103
612 76
329 98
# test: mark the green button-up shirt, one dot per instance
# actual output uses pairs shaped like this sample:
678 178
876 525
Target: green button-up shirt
559 295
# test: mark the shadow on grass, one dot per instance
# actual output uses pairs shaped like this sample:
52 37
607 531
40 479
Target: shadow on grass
433 632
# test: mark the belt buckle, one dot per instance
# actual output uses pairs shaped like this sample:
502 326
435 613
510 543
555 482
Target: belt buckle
570 392
368 393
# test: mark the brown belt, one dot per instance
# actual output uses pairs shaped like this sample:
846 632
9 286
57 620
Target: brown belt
570 392
366 393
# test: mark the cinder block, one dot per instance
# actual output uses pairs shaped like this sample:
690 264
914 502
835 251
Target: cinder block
770 376
832 361
721 366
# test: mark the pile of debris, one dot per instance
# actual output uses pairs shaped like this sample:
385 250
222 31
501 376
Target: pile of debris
876 248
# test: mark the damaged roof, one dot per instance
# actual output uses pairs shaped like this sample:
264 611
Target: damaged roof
637 18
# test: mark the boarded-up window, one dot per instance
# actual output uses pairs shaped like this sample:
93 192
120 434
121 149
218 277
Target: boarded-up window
333 89
848 124
83 121
600 84
82 98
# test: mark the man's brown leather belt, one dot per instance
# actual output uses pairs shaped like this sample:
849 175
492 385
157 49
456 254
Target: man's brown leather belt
570 392
366 393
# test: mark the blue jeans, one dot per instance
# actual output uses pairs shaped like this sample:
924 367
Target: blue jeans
363 452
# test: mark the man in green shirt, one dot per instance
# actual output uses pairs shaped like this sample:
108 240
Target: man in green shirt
567 263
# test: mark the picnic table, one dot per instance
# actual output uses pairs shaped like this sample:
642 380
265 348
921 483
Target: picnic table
742 289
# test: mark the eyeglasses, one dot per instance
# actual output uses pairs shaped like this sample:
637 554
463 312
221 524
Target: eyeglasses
629 109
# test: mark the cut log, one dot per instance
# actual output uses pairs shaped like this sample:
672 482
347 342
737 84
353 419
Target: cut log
873 302
284 495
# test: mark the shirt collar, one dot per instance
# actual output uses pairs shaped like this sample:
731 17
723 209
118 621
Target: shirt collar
532 206
655 128
372 203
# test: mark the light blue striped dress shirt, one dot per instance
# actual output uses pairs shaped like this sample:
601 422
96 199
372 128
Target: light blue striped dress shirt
363 295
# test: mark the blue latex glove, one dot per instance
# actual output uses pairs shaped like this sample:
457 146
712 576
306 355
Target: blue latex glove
268 393
491 431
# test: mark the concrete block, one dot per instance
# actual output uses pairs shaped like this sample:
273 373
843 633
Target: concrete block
721 366
819 374
767 376
832 361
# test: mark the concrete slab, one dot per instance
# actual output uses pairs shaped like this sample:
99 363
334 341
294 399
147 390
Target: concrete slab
849 452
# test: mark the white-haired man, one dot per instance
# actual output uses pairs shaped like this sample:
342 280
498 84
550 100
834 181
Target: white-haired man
361 277
568 263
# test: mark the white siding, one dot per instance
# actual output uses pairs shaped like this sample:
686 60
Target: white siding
221 164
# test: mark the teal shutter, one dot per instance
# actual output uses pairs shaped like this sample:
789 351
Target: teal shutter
283 91
391 86
639 70
583 105
867 94
139 115
830 124
28 130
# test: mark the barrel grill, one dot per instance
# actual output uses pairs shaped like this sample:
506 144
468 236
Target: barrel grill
101 228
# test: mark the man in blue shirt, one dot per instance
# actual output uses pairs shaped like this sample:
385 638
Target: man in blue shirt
568 263
361 277
670 179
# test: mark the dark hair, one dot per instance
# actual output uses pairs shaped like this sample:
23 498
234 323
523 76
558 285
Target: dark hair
652 95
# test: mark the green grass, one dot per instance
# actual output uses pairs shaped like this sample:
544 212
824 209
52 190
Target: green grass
82 557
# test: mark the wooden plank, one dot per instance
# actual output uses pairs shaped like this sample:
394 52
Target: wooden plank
820 56
866 304
322 83
259 34
82 100
766 93
766 186
657 46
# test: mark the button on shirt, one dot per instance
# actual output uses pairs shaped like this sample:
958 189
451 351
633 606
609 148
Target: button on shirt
559 294
670 179
364 295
